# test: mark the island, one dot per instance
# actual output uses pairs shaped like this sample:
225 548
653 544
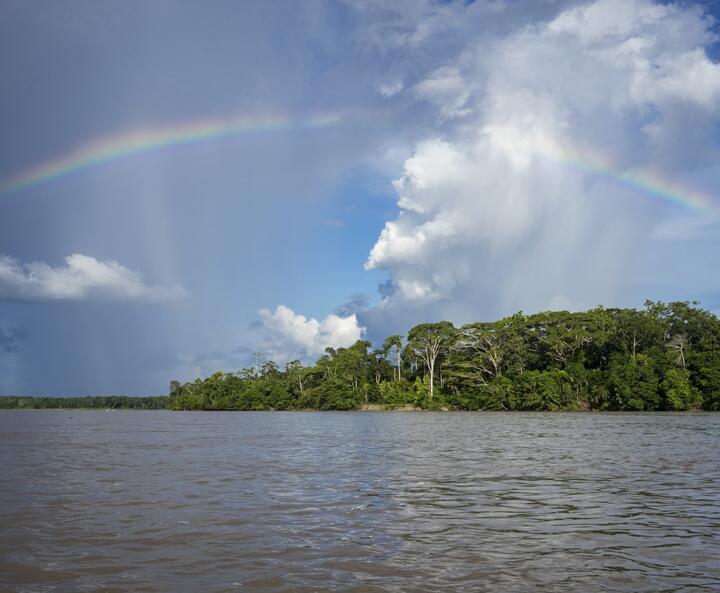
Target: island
661 357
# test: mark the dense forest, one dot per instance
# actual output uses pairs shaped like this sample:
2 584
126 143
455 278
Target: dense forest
109 402
663 357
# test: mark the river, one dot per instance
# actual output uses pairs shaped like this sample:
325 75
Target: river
132 501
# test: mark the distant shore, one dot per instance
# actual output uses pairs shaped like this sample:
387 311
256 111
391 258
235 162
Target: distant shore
139 403
90 402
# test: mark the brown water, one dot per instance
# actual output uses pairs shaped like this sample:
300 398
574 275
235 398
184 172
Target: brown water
207 502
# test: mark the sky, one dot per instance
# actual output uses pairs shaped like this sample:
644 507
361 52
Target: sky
188 187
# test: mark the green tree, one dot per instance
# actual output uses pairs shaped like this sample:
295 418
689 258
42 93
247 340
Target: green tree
632 385
394 345
598 359
679 393
706 376
430 342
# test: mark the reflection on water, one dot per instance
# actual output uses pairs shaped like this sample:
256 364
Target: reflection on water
183 501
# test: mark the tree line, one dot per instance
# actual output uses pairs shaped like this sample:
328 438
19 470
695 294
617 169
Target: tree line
661 357
109 402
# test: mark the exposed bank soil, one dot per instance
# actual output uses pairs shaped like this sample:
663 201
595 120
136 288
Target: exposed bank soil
384 408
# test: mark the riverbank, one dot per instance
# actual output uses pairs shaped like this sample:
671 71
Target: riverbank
95 402
376 408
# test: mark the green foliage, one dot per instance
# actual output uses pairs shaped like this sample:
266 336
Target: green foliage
663 357
679 393
398 394
705 373
544 390
430 344
335 394
632 385
110 402
494 395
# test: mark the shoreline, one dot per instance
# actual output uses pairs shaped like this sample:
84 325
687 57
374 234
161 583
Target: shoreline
373 408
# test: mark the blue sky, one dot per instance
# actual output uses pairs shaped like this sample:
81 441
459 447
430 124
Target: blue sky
435 196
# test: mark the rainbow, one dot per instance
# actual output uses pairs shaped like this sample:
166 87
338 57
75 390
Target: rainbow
116 146
647 182
143 140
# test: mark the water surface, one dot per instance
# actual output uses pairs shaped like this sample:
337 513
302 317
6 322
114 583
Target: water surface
369 502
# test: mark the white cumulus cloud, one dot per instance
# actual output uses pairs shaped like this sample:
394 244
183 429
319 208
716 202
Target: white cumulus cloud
291 335
447 90
521 204
82 277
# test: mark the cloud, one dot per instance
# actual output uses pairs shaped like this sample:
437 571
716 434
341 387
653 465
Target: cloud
355 304
390 89
447 90
191 365
427 28
497 211
82 277
291 335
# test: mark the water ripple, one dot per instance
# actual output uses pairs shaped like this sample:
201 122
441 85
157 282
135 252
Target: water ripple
255 502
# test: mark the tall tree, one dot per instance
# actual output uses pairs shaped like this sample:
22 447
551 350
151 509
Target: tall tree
430 342
393 344
295 374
